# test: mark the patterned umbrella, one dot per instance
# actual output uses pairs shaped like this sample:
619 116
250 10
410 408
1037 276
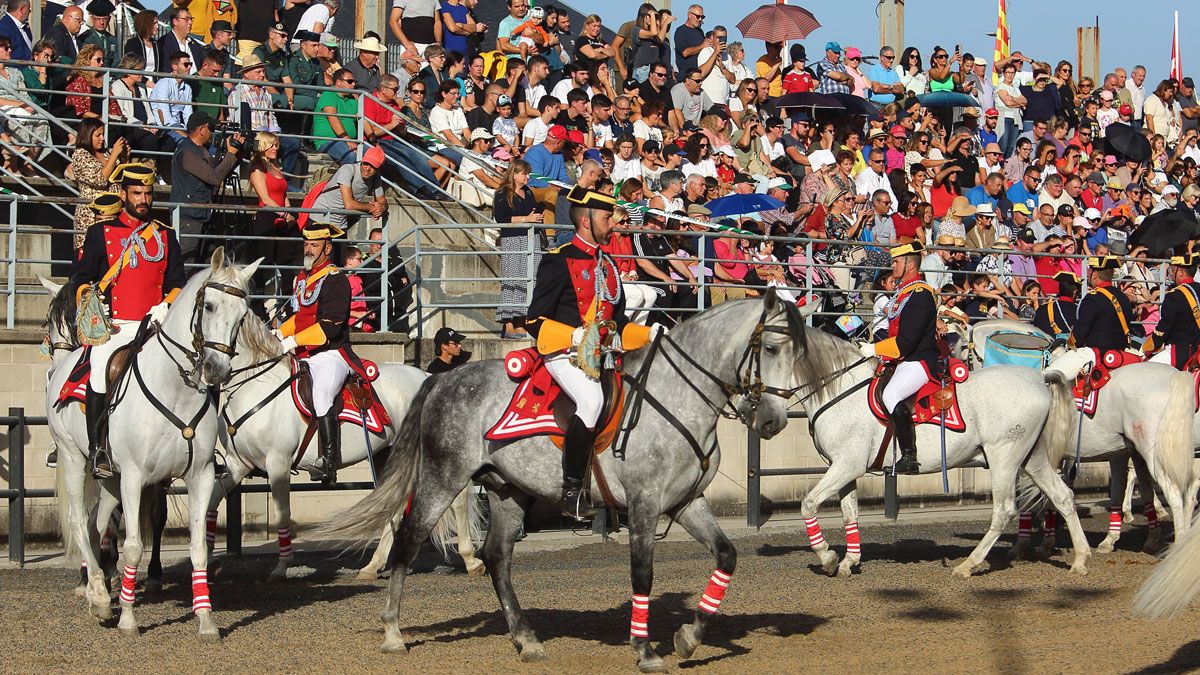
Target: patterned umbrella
778 22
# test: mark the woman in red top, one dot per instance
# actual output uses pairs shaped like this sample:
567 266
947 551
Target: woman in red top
87 82
639 298
905 219
269 183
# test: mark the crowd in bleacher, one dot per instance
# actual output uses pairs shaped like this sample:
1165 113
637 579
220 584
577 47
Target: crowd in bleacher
669 116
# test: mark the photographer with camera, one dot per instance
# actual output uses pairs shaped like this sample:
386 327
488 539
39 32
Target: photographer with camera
196 175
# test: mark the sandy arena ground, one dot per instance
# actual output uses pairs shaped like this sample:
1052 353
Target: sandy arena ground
902 613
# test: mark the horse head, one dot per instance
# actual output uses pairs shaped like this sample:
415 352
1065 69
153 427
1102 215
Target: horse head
767 371
213 304
61 337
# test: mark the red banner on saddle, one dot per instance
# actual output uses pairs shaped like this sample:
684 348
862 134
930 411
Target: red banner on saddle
927 409
75 388
376 415
530 412
1087 387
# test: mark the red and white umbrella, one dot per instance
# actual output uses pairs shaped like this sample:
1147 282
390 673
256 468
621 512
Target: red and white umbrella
778 23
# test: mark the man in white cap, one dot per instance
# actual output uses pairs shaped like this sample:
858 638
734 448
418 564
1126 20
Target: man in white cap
366 66
1169 199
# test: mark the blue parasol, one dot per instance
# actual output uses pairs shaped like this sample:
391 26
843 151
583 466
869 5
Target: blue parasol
740 205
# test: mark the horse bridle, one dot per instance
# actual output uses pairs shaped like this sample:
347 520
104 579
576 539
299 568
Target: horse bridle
195 354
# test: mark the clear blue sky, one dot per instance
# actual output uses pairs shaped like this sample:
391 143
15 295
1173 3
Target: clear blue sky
1130 32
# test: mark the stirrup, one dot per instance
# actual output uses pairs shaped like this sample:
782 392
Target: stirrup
577 505
100 465
52 457
320 472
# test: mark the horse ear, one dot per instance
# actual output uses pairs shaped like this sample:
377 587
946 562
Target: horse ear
218 258
808 305
50 285
769 298
249 270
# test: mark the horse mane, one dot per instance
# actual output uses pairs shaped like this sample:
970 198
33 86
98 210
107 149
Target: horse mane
824 356
257 339
60 317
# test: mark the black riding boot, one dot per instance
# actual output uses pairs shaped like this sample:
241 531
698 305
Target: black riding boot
329 431
906 438
94 405
577 447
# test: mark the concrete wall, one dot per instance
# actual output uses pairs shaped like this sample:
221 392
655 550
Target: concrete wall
23 382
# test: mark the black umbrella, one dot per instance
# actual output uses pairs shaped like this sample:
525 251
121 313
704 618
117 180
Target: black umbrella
1161 232
856 105
809 99
1122 140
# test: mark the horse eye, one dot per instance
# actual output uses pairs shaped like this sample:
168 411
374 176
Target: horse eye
209 307
772 349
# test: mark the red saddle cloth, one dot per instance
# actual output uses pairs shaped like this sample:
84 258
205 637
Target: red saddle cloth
75 388
1087 387
531 410
925 409
376 415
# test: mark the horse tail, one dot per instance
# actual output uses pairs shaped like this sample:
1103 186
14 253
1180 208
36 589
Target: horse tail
91 497
447 529
1174 581
1173 448
362 522
1056 434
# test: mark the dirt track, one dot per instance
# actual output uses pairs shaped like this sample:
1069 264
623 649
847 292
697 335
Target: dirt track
903 613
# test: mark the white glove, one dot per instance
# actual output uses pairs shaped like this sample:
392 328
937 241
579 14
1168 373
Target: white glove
577 336
867 349
277 333
288 343
158 313
657 330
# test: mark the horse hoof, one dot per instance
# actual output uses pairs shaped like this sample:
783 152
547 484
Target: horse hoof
843 571
685 642
1105 546
130 632
393 647
477 568
532 653
210 637
1080 569
367 574
101 611
152 586
652 664
964 570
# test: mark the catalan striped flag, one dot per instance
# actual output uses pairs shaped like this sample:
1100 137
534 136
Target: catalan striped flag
1001 50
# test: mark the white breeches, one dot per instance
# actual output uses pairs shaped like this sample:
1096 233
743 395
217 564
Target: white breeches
909 378
329 371
587 394
102 353
1162 356
639 298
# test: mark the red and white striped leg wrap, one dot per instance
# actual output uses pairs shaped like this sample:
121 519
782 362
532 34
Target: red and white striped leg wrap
853 544
718 583
128 580
210 527
200 591
285 542
1025 525
1151 515
1051 521
1114 519
639 618
815 538
106 542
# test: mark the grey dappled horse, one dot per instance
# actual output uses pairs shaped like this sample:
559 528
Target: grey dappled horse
727 356
164 426
1011 418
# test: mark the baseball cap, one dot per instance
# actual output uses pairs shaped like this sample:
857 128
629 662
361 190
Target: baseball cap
1096 177
1020 207
832 46
991 112
217 26
651 146
446 334
778 182
1106 95
374 157
504 99
576 136
725 150
744 179
1092 214
698 210
557 131
774 122
1110 159
197 120
690 127
1125 109
1187 82
853 53
1170 190
898 131
1026 234
1066 210
329 40
631 83
800 117
1081 223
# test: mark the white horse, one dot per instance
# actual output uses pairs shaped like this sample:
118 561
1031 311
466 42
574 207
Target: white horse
1011 418
163 426
1175 581
261 429
1147 409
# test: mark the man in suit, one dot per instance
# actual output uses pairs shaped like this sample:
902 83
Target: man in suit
65 38
178 40
14 25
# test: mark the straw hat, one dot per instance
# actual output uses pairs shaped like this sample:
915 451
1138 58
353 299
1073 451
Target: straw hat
961 208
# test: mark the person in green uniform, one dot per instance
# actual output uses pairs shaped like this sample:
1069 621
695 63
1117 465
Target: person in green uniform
304 68
222 41
274 53
101 12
